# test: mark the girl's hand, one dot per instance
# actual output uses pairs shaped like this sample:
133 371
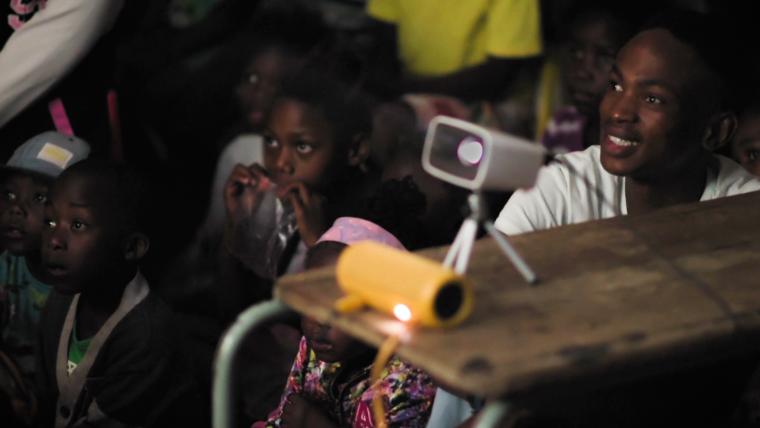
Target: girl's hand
300 412
309 209
242 189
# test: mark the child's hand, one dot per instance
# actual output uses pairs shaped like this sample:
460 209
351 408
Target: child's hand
300 412
243 187
309 209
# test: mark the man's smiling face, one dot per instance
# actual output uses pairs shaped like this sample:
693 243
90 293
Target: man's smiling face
656 109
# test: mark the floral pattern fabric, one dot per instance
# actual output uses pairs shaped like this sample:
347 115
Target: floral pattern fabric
408 392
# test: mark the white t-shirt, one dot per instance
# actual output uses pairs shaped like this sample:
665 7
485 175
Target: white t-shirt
586 191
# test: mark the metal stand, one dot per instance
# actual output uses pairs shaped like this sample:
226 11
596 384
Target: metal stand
252 318
458 256
492 414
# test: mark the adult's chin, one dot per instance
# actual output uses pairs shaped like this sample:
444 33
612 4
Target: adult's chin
65 288
615 165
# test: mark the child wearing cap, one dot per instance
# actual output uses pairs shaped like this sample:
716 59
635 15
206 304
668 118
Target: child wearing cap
329 383
25 180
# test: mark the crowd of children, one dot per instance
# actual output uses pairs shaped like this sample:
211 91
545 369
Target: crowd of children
325 152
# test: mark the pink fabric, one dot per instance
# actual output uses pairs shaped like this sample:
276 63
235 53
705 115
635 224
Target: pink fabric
350 230
60 118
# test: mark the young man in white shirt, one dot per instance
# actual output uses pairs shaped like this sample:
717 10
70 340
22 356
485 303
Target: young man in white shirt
668 106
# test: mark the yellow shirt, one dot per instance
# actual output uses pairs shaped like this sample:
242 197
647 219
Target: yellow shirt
437 37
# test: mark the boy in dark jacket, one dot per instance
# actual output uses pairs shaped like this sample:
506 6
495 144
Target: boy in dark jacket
109 353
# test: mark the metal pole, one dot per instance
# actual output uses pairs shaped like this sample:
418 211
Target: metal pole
223 394
492 414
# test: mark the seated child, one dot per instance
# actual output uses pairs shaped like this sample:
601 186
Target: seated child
315 154
669 104
109 352
745 146
329 385
26 178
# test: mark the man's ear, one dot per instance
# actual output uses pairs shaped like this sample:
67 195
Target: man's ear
720 131
136 246
358 152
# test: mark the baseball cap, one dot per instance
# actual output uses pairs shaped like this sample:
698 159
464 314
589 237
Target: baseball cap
49 153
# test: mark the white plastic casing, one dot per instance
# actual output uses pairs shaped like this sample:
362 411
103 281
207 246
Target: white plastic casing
507 162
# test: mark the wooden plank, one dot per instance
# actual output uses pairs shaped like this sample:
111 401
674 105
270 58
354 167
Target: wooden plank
673 284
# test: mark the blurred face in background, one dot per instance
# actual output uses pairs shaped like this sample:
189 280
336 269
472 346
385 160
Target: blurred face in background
595 37
260 83
745 146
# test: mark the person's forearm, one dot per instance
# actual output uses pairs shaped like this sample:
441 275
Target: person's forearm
40 53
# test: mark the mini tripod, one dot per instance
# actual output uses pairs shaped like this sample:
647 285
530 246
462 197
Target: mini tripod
459 253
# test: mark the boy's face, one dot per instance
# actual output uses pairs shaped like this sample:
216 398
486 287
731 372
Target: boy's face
260 82
298 145
745 147
81 245
21 208
656 109
589 57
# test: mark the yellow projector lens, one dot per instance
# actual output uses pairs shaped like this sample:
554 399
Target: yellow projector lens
409 287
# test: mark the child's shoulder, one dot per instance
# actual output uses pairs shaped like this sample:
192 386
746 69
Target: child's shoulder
150 325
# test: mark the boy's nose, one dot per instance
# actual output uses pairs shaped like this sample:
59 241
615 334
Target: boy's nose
17 210
56 240
285 162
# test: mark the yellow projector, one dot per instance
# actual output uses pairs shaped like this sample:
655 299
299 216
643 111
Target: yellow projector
410 287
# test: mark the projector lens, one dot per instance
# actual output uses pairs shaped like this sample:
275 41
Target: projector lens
449 300
470 151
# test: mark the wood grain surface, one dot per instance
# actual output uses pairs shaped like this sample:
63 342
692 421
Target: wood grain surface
639 292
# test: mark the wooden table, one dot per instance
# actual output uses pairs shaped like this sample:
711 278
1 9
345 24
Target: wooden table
678 285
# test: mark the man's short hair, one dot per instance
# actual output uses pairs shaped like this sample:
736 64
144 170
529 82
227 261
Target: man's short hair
714 40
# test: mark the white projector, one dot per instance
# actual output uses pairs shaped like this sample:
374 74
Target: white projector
477 158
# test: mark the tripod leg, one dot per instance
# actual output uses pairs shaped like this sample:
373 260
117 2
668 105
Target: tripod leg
469 230
451 255
511 253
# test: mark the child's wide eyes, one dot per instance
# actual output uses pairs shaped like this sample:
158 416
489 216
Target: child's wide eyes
271 142
651 99
40 198
615 86
78 225
50 224
9 196
304 148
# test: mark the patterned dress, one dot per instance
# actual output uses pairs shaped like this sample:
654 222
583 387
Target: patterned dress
407 392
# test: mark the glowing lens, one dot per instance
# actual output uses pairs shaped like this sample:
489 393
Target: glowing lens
402 312
470 151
